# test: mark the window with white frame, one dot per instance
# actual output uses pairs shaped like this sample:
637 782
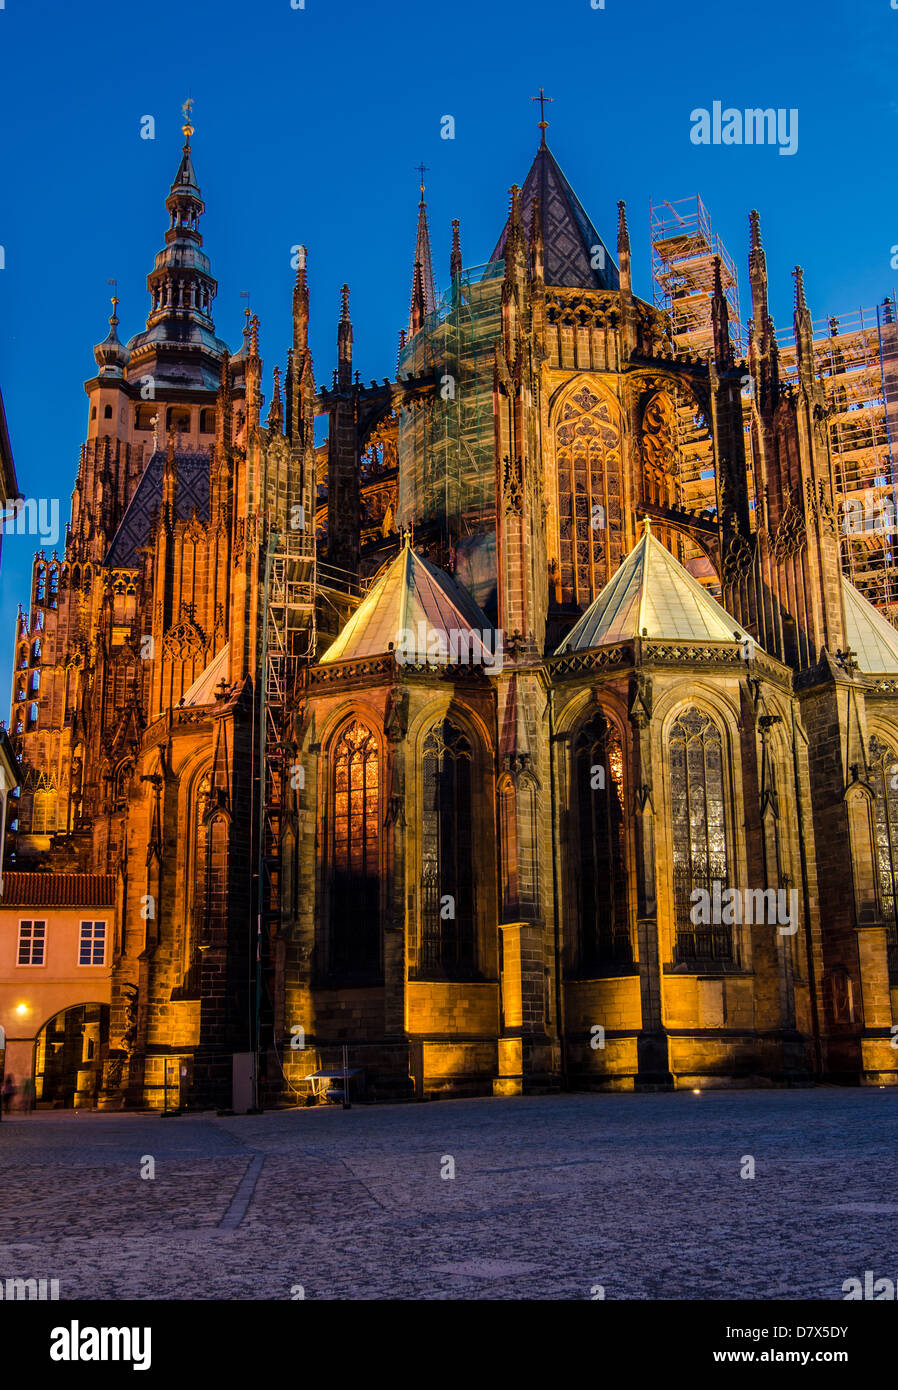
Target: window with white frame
92 944
32 942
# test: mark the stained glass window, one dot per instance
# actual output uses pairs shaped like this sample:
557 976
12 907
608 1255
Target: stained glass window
605 944
354 887
587 452
447 874
884 776
700 859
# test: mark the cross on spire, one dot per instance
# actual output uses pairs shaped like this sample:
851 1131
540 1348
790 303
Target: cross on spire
422 169
542 123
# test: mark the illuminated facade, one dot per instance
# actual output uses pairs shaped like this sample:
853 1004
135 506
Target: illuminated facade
515 769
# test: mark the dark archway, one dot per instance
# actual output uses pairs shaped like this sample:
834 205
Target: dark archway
68 1053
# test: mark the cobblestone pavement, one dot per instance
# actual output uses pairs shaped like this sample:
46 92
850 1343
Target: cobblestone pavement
640 1194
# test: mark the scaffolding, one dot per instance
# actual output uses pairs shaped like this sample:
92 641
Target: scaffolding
446 446
684 249
856 359
288 645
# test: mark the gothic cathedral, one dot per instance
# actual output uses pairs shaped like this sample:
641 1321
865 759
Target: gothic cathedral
522 734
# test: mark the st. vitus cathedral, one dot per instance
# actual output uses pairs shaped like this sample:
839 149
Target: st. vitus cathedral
620 811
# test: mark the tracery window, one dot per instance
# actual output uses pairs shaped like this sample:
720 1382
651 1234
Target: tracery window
884 776
699 833
587 454
448 948
605 944
354 842
43 813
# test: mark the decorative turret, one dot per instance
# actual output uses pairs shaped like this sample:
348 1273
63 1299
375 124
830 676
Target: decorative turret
112 355
179 346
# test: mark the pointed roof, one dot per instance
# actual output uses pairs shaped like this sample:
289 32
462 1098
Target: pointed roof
422 278
193 494
869 635
410 591
570 239
202 692
652 595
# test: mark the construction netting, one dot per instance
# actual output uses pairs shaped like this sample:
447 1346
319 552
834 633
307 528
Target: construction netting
446 447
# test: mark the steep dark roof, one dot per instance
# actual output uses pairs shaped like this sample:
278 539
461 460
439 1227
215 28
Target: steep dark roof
134 528
58 890
570 239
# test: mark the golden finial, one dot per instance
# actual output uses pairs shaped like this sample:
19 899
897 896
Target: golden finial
186 112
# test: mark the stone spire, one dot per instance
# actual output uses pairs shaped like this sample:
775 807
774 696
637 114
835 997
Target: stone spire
344 344
720 321
455 256
276 413
804 330
424 298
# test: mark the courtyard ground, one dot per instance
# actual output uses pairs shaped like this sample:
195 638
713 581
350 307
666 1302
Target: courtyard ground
552 1197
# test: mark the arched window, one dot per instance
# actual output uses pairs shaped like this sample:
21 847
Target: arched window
178 420
32 714
36 649
207 421
354 842
699 834
93 412
588 460
43 813
605 945
41 583
884 776
54 585
448 915
107 412
35 682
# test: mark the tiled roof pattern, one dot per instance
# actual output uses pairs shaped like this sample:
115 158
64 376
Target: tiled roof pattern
575 255
57 890
192 492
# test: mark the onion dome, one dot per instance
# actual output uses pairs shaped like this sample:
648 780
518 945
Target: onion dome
112 355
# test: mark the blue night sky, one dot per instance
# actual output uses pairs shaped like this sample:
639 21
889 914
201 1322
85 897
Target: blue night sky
309 123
